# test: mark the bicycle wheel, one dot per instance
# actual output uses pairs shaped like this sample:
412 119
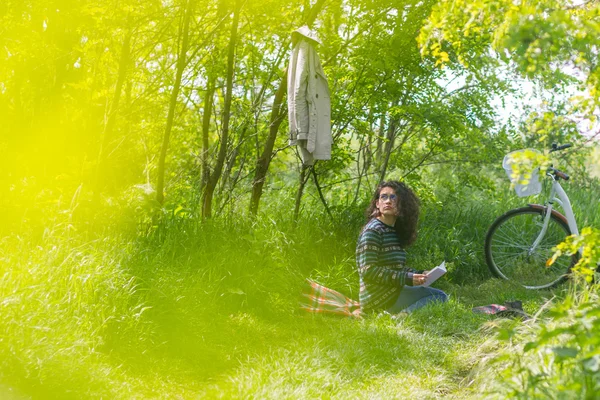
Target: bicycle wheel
509 255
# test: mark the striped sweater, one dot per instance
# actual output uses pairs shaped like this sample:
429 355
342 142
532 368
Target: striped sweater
381 266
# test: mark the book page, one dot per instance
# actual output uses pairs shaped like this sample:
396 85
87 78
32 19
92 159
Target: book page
435 273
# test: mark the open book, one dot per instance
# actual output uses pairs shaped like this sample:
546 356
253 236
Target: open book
435 273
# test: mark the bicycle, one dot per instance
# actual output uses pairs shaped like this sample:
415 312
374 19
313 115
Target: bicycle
520 241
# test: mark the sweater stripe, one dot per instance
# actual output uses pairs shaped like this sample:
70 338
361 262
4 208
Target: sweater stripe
381 266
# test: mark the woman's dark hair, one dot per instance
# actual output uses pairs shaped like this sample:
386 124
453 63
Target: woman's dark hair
407 208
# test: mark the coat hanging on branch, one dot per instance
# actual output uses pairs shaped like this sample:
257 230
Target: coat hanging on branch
309 104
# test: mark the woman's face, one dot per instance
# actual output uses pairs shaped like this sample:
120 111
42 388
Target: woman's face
387 204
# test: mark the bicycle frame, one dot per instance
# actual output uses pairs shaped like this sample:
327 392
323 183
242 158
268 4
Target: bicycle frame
558 195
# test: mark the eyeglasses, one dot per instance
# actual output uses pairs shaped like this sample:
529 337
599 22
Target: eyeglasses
386 197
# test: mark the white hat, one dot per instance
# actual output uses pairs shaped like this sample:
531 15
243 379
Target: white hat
307 33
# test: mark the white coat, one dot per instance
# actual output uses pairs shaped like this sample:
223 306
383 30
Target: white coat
309 103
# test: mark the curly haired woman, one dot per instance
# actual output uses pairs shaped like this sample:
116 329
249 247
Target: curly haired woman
386 284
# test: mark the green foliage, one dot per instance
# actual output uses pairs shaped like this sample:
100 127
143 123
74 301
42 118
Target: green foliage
523 163
588 242
551 126
555 357
558 356
540 40
95 101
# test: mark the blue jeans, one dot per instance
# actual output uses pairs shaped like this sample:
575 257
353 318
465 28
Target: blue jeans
412 298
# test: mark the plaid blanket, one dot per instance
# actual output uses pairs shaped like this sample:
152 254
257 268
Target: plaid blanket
322 300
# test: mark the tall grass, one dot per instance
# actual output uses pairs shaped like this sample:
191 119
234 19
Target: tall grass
173 307
60 300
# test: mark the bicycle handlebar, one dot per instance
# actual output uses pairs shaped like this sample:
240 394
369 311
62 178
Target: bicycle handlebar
558 174
556 147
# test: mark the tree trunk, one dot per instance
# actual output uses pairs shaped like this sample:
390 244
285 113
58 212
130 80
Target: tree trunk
208 100
379 145
216 174
304 174
181 60
389 145
262 164
231 163
364 149
314 174
107 135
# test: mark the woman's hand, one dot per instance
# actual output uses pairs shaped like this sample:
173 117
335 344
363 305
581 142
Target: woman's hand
419 279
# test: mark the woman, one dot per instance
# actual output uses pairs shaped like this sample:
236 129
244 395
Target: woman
385 282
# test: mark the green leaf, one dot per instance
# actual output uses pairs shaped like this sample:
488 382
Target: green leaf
591 364
530 346
565 352
505 333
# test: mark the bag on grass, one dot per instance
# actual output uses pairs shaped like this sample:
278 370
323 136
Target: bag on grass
510 309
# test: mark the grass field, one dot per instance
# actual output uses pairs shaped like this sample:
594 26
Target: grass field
179 309
88 324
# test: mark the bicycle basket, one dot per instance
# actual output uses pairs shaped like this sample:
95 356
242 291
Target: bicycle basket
533 187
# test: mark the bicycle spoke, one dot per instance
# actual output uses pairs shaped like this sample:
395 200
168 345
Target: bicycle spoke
510 248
